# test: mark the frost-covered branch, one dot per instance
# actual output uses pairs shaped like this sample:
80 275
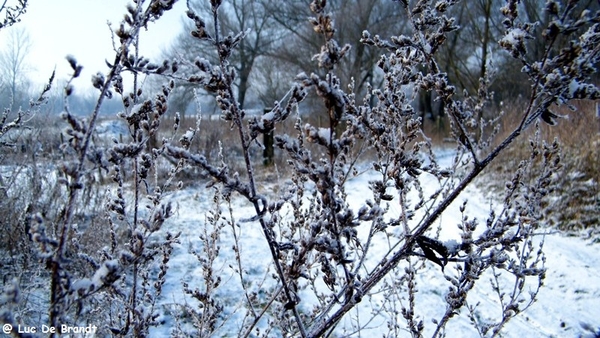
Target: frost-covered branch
331 260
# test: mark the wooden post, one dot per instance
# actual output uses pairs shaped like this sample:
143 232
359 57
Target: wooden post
268 151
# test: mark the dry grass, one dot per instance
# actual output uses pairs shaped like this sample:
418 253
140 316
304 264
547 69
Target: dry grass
575 202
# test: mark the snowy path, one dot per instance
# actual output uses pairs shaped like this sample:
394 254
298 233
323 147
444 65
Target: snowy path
570 299
568 305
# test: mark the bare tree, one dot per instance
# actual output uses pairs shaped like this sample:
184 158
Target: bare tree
253 21
277 34
468 52
14 67
352 17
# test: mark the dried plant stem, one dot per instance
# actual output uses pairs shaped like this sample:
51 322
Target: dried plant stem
320 328
253 198
56 284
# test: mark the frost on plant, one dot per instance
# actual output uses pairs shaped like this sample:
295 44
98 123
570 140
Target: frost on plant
336 262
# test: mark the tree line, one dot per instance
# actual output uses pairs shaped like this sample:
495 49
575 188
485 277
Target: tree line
278 47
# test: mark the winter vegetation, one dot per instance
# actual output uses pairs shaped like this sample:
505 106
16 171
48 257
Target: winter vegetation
308 169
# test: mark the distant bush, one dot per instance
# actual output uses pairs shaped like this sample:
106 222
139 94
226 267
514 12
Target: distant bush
574 200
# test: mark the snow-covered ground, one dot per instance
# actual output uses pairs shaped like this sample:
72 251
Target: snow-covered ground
567 306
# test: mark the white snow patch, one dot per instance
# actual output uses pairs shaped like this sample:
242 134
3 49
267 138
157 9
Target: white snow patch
567 305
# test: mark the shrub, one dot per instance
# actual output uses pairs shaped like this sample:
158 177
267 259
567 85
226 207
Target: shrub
328 254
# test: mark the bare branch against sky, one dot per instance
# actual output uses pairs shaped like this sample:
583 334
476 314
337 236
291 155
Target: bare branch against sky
60 28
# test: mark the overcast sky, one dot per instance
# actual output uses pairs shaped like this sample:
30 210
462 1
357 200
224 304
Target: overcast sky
79 27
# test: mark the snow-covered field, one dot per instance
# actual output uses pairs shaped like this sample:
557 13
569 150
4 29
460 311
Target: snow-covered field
567 306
